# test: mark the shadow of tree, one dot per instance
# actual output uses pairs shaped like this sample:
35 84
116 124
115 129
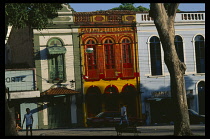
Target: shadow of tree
40 55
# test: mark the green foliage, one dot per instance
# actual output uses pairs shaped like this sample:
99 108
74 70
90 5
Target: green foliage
131 7
35 15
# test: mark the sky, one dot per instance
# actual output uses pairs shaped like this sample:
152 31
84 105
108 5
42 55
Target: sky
88 7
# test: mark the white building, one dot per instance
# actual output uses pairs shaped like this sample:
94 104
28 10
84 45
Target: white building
58 75
154 75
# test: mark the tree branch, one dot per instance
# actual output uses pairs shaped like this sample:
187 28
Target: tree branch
157 9
172 9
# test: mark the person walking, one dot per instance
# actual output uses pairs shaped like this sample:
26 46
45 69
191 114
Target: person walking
29 121
123 113
17 117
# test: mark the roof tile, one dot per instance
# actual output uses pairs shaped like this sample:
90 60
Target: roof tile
59 91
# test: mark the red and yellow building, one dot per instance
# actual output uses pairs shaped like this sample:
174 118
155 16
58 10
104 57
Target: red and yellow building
109 61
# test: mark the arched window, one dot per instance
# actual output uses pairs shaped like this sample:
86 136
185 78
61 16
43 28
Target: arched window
179 47
200 53
109 54
55 42
111 98
126 54
155 54
56 53
91 57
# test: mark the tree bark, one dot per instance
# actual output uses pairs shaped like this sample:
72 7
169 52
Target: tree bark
10 128
164 22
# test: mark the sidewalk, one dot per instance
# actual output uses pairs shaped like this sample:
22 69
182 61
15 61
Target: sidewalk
165 130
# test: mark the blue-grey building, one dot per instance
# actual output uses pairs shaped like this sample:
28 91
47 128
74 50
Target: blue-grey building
154 75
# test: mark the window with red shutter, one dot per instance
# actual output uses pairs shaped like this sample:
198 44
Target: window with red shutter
92 71
126 46
91 57
128 70
109 54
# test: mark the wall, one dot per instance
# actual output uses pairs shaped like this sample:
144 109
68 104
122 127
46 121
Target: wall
66 37
187 29
20 43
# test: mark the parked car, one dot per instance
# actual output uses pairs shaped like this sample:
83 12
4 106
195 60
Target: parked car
110 118
196 118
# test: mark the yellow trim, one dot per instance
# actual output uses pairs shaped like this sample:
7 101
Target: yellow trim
125 16
102 84
98 16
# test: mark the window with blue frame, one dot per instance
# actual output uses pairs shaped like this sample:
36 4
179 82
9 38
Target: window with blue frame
155 55
179 47
200 53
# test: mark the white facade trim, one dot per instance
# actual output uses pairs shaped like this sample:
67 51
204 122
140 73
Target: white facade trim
20 95
46 31
197 29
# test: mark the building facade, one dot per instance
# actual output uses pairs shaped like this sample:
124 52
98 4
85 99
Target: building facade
21 84
53 53
155 78
88 62
109 64
20 73
58 72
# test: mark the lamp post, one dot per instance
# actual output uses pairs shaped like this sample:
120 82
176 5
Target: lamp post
72 83
82 86
139 107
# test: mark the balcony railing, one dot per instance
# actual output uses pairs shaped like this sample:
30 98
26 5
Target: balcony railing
180 17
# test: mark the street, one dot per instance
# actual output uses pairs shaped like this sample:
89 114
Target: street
165 130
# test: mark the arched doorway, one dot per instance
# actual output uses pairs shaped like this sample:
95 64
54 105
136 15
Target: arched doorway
93 101
129 97
111 98
201 97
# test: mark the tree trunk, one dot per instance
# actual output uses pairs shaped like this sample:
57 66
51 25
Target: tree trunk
164 22
10 128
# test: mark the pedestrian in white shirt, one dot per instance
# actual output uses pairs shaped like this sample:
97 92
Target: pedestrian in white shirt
29 121
123 113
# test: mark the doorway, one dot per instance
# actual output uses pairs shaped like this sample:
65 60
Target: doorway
201 97
93 101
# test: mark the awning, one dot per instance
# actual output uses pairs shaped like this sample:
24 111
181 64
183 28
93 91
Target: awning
154 99
53 50
59 91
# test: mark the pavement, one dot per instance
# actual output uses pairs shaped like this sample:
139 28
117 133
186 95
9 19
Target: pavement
159 130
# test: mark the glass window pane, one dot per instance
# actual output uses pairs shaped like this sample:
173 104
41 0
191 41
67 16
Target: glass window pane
91 57
155 54
179 47
200 53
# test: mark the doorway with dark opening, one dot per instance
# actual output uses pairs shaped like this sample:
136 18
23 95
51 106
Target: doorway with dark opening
93 101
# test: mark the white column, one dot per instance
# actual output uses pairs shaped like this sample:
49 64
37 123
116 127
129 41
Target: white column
45 114
73 110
